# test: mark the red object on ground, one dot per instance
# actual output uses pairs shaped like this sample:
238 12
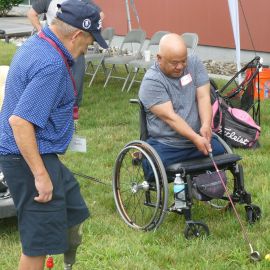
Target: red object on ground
49 262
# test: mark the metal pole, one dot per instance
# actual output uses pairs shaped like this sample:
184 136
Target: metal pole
128 16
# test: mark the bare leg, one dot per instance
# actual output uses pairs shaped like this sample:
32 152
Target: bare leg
31 263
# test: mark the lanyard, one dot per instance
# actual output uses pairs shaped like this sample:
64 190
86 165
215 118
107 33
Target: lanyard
75 107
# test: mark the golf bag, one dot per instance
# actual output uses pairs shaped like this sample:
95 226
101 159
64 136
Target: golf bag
234 125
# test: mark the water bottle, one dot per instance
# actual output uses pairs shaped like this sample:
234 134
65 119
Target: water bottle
179 192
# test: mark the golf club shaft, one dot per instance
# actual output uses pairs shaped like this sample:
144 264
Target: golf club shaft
232 204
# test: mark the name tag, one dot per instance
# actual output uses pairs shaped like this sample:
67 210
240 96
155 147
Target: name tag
77 144
186 79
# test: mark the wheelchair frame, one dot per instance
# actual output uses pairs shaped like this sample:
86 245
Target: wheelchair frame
143 204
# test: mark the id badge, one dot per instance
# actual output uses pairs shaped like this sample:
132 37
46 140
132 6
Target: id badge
78 144
186 79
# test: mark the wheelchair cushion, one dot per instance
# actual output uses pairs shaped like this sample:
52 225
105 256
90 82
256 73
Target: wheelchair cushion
202 164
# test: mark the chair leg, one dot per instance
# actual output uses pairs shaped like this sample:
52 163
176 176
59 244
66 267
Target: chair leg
133 79
95 73
126 80
104 69
87 66
108 77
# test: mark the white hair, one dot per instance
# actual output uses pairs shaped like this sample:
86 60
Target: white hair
64 28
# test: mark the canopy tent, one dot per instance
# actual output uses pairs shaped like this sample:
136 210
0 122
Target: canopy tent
234 14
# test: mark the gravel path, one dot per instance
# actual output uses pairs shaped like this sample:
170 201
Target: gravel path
213 67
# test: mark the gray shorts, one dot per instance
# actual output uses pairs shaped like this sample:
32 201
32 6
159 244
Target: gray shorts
43 226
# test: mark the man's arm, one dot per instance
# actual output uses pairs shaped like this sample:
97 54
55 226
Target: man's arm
24 134
166 113
205 111
34 19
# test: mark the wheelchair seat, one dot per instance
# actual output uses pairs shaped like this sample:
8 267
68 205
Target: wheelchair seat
202 164
143 203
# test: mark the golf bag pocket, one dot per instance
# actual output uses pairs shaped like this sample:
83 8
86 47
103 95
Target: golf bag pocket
234 125
208 186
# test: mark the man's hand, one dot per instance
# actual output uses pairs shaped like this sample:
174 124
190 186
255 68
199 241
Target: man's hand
202 144
206 132
44 188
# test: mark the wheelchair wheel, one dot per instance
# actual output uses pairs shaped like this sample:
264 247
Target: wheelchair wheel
195 229
141 203
253 213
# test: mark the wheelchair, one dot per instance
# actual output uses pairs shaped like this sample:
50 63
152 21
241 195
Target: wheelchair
143 204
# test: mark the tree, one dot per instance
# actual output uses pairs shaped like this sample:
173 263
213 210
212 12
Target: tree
7 5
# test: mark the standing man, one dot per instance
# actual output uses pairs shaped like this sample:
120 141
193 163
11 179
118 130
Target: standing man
36 124
50 7
175 93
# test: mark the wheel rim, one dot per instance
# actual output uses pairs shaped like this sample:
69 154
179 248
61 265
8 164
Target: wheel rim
137 201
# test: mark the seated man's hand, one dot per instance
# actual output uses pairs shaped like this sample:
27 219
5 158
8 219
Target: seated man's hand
206 132
202 144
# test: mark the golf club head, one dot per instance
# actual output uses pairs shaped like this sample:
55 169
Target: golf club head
255 256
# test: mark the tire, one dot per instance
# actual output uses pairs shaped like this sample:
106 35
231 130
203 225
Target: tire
141 203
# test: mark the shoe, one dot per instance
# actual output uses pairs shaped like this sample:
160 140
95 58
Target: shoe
68 266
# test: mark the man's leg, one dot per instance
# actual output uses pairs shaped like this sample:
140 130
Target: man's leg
31 263
77 212
170 155
74 240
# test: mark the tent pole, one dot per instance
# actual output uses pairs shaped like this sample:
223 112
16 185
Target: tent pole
128 16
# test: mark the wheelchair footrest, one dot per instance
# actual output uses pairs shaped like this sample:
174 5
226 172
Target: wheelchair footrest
202 164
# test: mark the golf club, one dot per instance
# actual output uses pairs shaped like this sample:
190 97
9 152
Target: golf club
254 255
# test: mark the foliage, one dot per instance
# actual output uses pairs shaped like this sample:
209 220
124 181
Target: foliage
7 5
108 122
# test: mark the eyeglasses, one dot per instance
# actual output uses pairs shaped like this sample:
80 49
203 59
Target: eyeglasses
175 64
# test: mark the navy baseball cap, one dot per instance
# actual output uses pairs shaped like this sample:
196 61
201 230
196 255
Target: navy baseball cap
83 16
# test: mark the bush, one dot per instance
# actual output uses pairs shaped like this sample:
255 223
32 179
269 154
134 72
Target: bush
7 5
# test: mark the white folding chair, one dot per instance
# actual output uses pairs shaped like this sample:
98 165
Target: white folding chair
129 50
95 60
191 41
142 64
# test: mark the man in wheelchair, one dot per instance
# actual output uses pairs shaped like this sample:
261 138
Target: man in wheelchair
175 93
176 138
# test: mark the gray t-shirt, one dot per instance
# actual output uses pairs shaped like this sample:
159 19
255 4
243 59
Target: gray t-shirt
50 7
156 88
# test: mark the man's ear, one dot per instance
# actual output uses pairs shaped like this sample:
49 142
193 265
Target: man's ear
75 35
158 57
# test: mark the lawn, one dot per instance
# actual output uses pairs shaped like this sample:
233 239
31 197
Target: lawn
108 122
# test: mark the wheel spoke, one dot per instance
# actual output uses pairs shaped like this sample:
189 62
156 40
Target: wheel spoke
139 205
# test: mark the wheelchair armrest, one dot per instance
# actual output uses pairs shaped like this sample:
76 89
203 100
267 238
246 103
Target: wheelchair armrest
224 144
134 101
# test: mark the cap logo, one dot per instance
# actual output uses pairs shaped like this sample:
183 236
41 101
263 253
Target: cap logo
86 24
99 24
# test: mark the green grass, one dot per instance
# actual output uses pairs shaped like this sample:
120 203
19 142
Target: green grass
6 52
108 122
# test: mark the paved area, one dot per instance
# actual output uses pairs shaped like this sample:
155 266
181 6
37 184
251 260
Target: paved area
16 26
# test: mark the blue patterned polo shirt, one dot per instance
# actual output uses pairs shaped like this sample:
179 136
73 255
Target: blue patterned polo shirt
39 89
